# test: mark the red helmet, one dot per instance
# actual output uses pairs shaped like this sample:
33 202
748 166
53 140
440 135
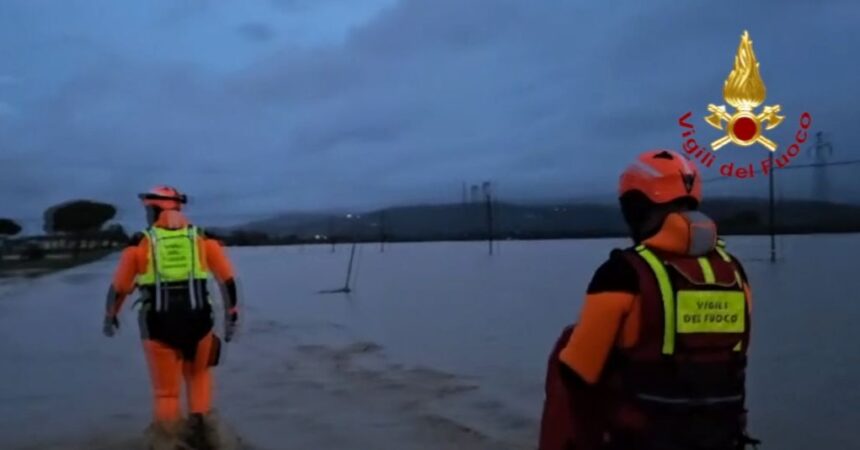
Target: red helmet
164 197
662 176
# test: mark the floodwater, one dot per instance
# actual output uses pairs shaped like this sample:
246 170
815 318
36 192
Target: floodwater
439 346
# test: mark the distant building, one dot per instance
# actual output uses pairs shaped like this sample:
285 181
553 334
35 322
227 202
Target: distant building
475 194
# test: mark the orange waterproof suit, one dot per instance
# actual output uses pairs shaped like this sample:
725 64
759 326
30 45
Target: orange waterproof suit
177 338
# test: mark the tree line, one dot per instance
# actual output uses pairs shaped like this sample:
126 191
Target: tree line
77 221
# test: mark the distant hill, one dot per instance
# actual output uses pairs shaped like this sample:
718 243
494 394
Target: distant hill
290 223
533 221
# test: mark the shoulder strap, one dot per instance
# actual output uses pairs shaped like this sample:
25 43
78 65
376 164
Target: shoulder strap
667 294
721 249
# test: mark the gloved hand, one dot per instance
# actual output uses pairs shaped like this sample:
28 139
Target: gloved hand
110 326
231 320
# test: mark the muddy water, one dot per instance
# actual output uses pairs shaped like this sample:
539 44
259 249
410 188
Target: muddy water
438 346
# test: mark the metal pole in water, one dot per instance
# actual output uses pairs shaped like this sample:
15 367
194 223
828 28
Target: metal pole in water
331 232
382 231
489 202
349 269
772 227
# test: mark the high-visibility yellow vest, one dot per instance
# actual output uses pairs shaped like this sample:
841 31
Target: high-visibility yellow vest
694 303
174 257
689 360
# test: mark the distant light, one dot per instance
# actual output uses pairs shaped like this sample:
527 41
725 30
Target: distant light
317 237
349 216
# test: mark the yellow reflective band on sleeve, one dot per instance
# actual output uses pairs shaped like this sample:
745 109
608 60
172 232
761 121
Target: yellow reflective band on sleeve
711 312
668 298
738 347
707 270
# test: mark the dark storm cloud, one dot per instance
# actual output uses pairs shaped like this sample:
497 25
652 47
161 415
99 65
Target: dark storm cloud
548 98
256 31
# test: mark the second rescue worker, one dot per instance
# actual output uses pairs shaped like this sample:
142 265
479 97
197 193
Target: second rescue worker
658 358
169 263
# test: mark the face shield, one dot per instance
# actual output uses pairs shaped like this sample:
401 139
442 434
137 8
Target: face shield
152 213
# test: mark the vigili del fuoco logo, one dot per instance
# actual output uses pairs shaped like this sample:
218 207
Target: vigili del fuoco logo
744 125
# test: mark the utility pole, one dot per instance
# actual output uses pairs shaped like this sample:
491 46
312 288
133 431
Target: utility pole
822 150
489 206
382 231
331 232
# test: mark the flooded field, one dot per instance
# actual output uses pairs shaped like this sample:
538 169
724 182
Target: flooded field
439 346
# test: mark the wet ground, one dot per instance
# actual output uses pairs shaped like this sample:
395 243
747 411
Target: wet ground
439 346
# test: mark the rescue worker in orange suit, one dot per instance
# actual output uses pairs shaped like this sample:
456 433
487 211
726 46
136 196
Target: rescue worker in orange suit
657 359
169 263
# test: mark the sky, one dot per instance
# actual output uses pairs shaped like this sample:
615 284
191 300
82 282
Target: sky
259 107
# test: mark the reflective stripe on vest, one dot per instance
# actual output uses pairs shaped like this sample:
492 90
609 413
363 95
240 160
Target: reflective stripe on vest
173 258
707 270
666 293
699 311
720 248
727 258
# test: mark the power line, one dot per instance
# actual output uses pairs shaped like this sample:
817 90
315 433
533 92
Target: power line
793 166
838 163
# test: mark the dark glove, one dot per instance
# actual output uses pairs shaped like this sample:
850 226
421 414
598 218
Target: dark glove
110 326
230 324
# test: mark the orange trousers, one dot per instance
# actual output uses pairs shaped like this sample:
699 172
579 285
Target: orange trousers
166 369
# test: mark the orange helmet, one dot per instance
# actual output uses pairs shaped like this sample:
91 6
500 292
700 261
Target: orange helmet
662 176
164 198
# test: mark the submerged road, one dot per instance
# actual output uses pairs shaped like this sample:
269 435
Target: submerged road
439 346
